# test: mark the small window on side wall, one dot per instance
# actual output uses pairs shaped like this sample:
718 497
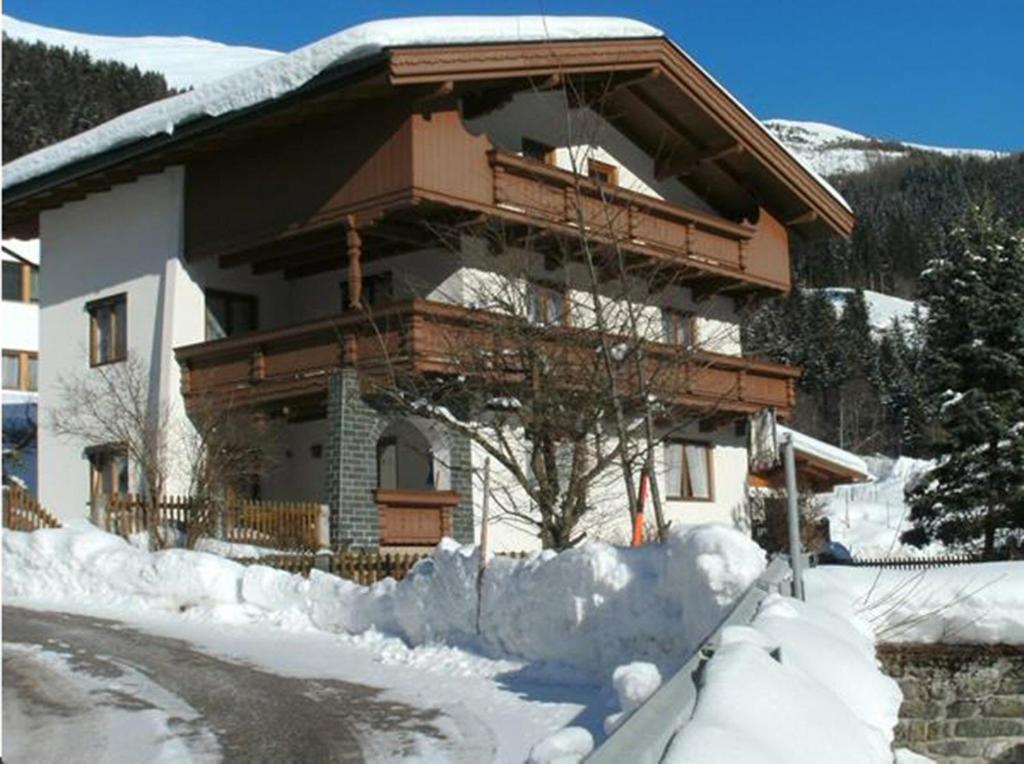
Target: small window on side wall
108 470
602 172
108 330
689 470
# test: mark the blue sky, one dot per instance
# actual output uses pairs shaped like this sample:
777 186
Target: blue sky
948 72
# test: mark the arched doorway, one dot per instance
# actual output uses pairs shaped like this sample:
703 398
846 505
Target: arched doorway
413 501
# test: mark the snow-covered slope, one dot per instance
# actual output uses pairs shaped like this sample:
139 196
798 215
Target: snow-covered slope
832 150
882 308
184 61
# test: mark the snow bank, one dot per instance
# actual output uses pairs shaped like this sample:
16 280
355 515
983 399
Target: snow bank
800 684
592 608
868 518
978 603
883 309
281 75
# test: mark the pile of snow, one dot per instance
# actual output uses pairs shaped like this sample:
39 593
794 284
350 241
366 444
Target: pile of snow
281 75
977 603
832 150
634 683
591 608
883 309
183 61
801 684
868 518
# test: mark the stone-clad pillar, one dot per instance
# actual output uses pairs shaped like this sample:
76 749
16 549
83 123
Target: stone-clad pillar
351 472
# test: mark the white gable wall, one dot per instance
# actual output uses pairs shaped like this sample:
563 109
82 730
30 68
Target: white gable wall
128 239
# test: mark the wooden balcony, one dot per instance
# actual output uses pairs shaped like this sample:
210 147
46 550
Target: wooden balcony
292 364
414 518
541 194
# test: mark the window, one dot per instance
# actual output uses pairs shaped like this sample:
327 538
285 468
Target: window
541 152
688 470
678 327
377 290
108 470
108 329
604 173
21 282
546 305
19 370
228 314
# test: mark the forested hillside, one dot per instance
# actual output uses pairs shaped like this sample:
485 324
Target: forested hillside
862 388
905 208
52 93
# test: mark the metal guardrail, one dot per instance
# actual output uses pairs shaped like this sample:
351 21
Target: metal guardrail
644 737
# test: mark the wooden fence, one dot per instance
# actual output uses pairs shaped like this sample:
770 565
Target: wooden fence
22 511
273 524
914 563
362 567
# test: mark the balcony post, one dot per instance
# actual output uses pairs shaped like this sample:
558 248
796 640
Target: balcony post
354 243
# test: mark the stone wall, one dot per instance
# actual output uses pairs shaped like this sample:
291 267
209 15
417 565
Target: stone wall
351 470
961 703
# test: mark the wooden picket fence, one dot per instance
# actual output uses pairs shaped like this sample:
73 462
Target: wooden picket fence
362 567
272 524
915 563
23 512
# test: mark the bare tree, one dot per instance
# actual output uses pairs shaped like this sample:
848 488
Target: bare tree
111 406
223 450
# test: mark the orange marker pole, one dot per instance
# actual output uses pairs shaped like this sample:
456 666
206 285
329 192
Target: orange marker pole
638 522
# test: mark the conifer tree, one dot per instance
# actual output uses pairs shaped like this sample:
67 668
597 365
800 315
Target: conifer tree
973 379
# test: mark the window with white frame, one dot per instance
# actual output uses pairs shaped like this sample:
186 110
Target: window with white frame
689 470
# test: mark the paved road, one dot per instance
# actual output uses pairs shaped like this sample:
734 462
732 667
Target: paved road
251 715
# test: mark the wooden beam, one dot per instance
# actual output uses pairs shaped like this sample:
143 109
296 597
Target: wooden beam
354 244
808 217
677 164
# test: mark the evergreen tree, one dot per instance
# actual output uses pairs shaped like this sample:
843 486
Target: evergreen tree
973 379
52 93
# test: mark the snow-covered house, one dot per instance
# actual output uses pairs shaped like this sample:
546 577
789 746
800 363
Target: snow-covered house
233 237
19 337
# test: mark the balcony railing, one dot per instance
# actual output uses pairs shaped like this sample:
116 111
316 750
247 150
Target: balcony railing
430 338
543 194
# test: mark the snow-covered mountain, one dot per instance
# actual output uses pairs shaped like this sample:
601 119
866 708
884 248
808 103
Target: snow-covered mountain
832 150
184 61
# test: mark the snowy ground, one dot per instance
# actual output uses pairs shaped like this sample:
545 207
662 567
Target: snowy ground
551 630
868 518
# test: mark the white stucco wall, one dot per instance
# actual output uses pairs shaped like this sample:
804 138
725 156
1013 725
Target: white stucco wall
609 519
125 240
299 475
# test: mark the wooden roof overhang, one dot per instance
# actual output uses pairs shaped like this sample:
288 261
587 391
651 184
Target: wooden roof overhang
649 89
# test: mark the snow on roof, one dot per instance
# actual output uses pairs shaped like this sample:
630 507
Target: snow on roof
805 444
281 75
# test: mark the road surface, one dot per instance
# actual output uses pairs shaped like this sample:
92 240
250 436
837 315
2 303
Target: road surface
79 688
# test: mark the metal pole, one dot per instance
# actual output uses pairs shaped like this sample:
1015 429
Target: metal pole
793 518
484 518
